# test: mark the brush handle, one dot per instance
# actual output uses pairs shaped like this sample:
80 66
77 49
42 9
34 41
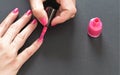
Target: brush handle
51 14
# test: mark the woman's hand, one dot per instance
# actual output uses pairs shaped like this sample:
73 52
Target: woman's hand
12 39
66 11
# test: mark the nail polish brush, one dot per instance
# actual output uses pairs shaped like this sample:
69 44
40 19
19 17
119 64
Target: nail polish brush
51 13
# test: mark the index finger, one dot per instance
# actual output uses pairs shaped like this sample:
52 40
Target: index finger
38 11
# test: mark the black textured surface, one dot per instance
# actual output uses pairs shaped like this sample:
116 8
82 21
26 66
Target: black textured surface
67 49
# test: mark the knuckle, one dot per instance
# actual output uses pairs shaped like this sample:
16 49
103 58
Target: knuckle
35 46
15 64
29 52
2 45
73 11
4 24
37 11
14 27
20 36
10 34
8 55
34 10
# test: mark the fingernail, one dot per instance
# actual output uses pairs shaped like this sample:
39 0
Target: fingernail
29 12
34 21
43 21
16 10
40 40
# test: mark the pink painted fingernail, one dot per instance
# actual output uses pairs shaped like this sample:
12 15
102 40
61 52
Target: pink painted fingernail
43 21
29 12
40 40
95 27
34 21
43 33
16 10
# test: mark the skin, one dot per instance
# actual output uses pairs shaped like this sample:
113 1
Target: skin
66 11
12 39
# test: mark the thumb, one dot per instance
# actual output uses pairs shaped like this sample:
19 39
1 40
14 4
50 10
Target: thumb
38 11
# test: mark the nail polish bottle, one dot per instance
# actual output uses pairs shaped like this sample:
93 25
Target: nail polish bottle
95 27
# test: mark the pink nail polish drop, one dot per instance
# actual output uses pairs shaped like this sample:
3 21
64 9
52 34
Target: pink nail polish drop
95 27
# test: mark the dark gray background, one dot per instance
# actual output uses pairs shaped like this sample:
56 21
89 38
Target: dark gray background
67 49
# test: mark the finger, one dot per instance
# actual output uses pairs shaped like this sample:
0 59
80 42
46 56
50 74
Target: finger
20 39
74 1
28 52
38 11
15 28
8 21
66 11
62 17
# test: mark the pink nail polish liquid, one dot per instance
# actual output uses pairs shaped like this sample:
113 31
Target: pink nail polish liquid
43 33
